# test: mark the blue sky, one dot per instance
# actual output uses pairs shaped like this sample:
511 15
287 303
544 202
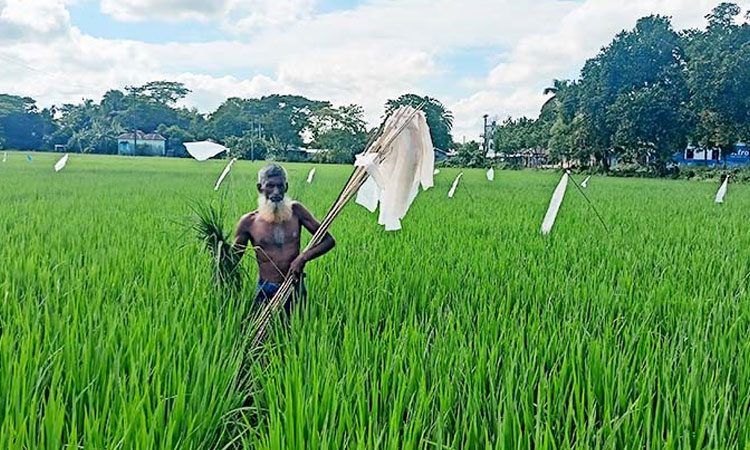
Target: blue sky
87 16
477 56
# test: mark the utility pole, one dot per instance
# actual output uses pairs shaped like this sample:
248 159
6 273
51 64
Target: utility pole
135 129
484 135
256 131
134 89
255 134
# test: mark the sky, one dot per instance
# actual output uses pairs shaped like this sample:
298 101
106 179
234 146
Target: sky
478 57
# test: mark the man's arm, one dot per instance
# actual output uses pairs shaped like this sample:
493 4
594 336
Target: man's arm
242 235
311 224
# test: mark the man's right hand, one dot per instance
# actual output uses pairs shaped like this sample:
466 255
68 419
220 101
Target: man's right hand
296 267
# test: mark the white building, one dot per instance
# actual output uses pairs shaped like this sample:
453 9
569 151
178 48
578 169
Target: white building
141 144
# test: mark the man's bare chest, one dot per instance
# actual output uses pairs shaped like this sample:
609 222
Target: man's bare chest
276 235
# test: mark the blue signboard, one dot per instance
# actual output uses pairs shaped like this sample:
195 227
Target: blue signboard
739 157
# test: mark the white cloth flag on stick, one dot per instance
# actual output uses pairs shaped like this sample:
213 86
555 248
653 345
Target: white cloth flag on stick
722 190
394 182
61 163
586 182
224 173
311 175
204 149
491 174
455 185
402 157
554 205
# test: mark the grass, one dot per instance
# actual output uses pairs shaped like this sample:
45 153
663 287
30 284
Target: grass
467 329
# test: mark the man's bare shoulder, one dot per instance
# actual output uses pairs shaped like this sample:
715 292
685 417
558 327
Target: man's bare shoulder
299 210
247 220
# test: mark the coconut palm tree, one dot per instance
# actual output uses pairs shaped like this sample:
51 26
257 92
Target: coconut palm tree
439 119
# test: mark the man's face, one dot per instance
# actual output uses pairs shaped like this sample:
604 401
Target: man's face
273 188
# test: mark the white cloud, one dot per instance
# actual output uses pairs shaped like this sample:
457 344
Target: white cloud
208 92
249 15
32 20
165 10
236 15
366 74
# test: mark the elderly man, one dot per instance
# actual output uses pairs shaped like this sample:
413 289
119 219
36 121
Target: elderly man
274 232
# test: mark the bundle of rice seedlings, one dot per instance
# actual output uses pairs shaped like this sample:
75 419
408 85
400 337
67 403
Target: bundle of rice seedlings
208 228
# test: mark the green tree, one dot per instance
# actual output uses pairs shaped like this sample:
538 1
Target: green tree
164 92
149 106
176 137
283 118
340 131
23 126
114 104
639 66
251 146
469 154
439 119
650 121
231 118
515 135
99 137
718 70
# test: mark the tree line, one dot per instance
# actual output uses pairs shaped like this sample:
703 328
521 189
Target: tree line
273 126
647 95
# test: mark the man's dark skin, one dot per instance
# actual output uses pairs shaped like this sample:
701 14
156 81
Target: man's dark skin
278 258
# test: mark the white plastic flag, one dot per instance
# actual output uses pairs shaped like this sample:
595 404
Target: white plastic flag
722 190
455 185
204 149
310 175
61 163
491 174
586 181
437 171
5 156
224 174
394 182
554 205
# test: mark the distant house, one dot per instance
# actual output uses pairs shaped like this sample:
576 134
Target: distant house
148 144
441 155
530 157
696 156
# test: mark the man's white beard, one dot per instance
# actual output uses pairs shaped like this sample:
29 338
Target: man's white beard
275 212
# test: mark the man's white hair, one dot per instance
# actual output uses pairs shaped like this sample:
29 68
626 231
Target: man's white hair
271 170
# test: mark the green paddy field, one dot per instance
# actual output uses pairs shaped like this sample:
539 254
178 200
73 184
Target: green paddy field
467 329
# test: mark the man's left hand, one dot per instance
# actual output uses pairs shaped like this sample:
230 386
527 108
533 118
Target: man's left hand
297 266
